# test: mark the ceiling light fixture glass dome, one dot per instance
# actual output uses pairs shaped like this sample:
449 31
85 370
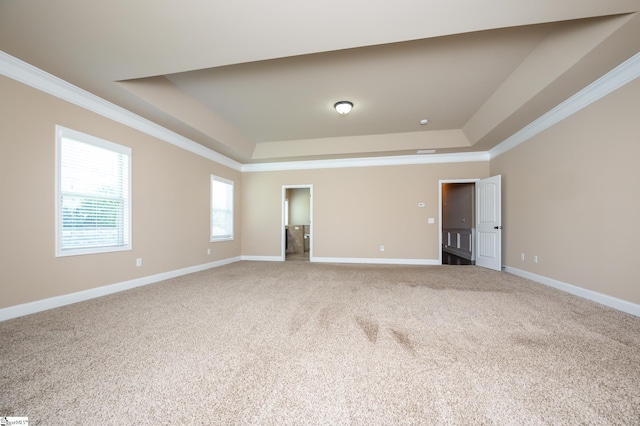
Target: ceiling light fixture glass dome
343 107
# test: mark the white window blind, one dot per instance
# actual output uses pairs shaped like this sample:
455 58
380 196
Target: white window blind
93 194
221 209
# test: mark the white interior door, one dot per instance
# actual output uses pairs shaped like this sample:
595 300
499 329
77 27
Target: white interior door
489 223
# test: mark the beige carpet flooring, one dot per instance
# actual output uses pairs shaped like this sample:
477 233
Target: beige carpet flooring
305 343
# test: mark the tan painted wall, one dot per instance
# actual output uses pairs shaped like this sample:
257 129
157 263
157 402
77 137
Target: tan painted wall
355 210
571 197
170 202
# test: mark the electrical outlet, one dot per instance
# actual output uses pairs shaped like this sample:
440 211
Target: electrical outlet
522 256
139 261
381 248
535 259
208 251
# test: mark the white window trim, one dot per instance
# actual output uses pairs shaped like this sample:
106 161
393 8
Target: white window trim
229 182
63 132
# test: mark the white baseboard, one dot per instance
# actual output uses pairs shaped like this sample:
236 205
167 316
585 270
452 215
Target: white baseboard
67 299
263 258
363 260
375 260
603 299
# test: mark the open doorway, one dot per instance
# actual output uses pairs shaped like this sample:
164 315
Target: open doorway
458 221
478 241
297 231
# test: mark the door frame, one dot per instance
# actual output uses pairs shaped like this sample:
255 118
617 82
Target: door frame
474 181
283 253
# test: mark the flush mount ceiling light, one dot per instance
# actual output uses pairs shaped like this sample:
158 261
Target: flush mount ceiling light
343 107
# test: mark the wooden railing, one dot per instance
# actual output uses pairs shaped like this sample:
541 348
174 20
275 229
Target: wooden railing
459 241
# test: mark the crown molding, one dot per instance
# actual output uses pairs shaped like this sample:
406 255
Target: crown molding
400 160
614 79
28 74
38 79
624 73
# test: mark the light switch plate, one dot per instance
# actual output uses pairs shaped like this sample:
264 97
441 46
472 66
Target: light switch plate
431 221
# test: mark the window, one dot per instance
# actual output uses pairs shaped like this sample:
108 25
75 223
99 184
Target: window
221 209
92 194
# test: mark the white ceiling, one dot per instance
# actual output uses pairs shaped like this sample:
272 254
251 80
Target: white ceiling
256 81
392 86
